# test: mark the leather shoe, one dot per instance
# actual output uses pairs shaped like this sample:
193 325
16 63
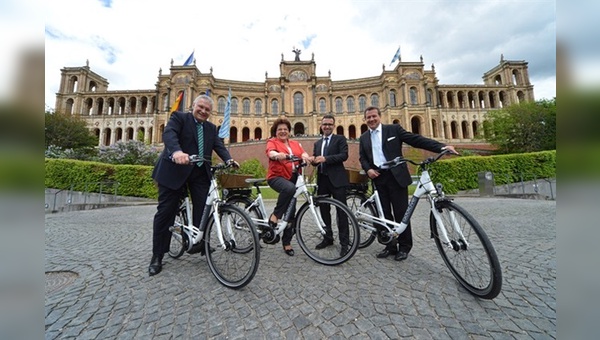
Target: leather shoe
385 253
343 250
290 251
401 256
155 265
325 243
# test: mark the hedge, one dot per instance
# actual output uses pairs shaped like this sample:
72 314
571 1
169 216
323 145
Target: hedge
457 173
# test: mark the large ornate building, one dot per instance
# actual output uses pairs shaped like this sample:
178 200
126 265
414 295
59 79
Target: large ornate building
410 95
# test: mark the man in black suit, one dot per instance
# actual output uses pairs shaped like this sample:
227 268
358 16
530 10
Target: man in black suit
329 153
186 133
381 143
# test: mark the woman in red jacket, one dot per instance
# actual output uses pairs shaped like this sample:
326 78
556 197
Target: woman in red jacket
280 176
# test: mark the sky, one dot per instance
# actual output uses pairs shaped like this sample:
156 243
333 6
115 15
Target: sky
128 41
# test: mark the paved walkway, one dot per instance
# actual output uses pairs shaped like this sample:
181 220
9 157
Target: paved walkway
97 286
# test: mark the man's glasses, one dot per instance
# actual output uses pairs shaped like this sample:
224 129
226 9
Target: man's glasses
326 124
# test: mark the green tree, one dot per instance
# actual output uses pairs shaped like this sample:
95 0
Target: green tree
523 127
67 132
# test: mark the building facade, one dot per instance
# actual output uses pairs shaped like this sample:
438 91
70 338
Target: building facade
409 94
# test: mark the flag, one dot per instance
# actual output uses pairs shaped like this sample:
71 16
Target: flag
396 56
224 130
207 92
189 60
175 106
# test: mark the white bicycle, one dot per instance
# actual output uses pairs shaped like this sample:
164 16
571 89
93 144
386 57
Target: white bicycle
227 236
460 240
309 225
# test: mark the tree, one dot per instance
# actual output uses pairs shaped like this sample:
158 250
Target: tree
67 132
523 127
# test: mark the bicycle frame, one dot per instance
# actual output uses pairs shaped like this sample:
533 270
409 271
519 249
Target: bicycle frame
301 190
425 187
213 201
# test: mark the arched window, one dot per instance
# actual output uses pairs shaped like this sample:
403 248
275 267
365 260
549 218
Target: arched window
246 106
221 104
392 98
362 103
234 106
338 105
258 106
350 104
375 99
274 107
298 103
322 105
413 95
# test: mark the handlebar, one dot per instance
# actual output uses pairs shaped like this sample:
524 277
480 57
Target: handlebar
197 158
400 160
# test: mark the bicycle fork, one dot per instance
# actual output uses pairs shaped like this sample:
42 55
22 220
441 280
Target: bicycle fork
453 221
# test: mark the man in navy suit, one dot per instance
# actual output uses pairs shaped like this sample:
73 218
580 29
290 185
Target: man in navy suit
329 153
381 143
186 133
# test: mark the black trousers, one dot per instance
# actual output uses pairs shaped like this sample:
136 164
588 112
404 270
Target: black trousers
394 201
168 201
286 189
326 188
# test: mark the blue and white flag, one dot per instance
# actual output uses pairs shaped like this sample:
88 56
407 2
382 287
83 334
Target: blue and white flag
189 60
224 130
396 56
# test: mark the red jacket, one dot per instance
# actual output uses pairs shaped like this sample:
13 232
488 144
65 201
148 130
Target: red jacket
282 168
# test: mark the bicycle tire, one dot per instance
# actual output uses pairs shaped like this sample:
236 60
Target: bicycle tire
354 202
309 235
235 265
244 203
179 240
476 266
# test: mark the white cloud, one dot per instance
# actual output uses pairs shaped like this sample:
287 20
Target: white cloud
241 40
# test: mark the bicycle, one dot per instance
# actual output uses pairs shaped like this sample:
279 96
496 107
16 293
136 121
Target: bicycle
460 240
308 224
227 236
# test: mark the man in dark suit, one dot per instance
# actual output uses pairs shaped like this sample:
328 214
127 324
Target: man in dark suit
329 153
186 133
383 143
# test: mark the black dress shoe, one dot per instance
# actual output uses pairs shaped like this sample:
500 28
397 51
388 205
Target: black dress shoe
325 243
155 265
385 253
401 256
290 251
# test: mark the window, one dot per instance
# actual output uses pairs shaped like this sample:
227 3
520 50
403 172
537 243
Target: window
392 98
362 103
338 105
413 96
298 103
221 105
322 106
375 99
246 106
234 105
258 106
350 104
274 107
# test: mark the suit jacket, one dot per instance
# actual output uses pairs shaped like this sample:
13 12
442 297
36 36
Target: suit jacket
337 154
392 138
181 135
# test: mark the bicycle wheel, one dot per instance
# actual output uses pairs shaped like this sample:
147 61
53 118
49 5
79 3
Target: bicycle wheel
309 234
474 263
234 264
354 202
178 237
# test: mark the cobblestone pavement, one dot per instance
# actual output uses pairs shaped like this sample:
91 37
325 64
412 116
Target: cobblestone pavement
97 285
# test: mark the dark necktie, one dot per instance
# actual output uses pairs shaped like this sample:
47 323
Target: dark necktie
324 153
200 130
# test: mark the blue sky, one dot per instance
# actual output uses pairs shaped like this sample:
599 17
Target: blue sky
128 41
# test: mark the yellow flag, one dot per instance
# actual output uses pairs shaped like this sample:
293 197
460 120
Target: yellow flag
175 106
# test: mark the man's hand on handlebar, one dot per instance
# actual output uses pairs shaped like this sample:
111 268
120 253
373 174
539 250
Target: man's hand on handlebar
450 149
233 163
180 157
